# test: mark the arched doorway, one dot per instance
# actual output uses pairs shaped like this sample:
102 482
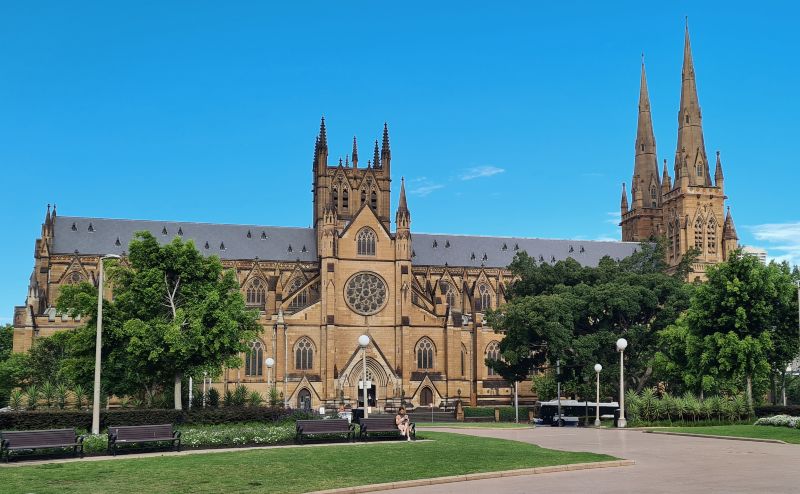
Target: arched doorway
426 397
304 400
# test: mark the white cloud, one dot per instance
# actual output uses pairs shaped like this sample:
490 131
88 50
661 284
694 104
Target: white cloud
480 172
613 218
783 240
422 186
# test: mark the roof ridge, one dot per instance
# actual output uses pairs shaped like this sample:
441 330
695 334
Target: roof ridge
243 225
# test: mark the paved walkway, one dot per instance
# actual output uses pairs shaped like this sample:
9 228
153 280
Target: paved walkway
668 464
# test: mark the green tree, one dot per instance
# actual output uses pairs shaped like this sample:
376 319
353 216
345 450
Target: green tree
6 341
175 313
575 313
739 331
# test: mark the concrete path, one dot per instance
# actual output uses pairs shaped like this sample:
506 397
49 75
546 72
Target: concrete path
668 464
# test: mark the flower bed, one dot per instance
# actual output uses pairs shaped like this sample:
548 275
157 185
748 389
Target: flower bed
780 421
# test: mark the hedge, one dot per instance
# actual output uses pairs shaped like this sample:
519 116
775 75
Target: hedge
770 410
53 419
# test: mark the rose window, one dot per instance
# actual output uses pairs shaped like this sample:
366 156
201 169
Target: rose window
365 293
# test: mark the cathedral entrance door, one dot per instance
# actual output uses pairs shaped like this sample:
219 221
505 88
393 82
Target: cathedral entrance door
372 394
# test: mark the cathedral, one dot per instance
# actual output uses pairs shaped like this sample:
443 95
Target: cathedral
690 212
420 298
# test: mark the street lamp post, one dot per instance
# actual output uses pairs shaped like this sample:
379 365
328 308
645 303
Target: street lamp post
279 321
98 350
205 379
788 370
597 369
363 341
270 362
622 343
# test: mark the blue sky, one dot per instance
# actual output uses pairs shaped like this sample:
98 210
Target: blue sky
505 118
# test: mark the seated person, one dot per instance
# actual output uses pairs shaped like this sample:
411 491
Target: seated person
403 423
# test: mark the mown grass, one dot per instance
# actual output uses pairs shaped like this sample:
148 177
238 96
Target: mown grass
751 431
289 470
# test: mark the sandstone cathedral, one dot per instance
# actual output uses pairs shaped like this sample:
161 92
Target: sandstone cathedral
419 297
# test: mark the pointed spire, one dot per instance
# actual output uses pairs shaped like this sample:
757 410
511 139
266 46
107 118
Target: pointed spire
690 125
47 218
53 218
355 153
376 157
719 178
386 153
729 230
323 136
666 183
347 161
645 170
624 202
403 206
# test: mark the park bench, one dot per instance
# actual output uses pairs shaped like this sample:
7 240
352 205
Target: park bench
134 434
327 426
43 439
382 425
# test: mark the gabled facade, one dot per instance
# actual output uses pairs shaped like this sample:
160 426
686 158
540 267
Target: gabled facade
689 213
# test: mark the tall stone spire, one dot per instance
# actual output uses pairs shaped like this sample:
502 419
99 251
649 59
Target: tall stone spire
323 136
376 156
624 202
355 153
386 153
402 206
690 124
645 170
666 182
729 230
719 178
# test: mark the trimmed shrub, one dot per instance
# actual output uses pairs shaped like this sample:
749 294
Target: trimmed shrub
53 419
780 421
769 410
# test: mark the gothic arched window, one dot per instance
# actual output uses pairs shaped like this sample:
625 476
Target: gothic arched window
335 196
304 354
254 359
677 245
301 299
484 299
698 234
425 352
363 196
256 293
653 196
671 239
449 293
373 198
492 353
699 169
365 241
345 199
463 361
711 235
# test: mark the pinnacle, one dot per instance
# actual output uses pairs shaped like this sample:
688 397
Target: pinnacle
355 152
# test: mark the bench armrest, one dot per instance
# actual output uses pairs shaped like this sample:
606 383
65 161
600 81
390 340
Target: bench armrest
176 434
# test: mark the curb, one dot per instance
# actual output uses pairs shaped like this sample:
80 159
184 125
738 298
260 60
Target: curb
477 476
711 436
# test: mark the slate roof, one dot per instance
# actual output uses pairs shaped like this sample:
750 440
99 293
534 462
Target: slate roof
495 252
112 236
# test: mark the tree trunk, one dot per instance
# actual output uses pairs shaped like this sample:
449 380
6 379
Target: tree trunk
643 380
749 391
178 379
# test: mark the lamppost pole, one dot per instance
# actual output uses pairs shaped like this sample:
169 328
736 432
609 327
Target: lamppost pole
622 343
205 379
98 345
270 362
597 369
280 321
363 341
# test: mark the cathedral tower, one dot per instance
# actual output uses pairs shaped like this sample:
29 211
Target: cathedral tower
346 187
689 212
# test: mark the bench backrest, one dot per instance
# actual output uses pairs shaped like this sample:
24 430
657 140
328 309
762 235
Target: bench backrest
141 432
39 438
323 425
379 423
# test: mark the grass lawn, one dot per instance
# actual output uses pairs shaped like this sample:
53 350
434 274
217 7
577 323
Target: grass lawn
289 470
754 431
475 425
